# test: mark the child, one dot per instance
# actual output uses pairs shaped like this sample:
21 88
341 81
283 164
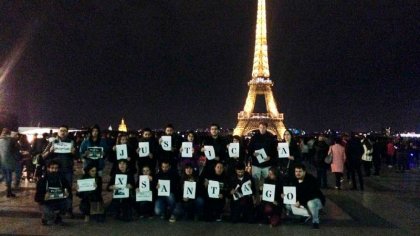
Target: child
145 209
91 201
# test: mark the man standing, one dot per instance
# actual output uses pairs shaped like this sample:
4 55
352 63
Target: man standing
171 155
321 151
308 193
219 144
149 160
262 140
354 153
62 151
51 193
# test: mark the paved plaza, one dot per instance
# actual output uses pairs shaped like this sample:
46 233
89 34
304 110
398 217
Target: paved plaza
390 205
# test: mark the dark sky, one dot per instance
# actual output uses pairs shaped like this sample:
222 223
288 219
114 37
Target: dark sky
334 65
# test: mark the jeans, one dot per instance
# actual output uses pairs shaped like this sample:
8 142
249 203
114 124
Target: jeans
191 208
165 203
7 173
313 208
259 174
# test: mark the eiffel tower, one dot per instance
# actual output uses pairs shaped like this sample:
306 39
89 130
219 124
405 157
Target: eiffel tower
260 84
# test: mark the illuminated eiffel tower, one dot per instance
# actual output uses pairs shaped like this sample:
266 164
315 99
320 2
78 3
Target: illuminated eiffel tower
260 84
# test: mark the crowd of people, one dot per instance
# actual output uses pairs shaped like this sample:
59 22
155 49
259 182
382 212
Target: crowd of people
212 177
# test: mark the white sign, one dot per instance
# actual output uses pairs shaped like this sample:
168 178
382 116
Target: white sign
300 211
121 193
209 152
146 196
164 188
144 183
144 149
213 189
268 192
246 188
289 195
120 180
187 149
86 185
233 149
189 189
62 147
283 150
122 151
166 143
261 155
95 152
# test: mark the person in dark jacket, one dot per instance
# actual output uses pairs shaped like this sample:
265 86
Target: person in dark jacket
122 207
192 208
262 140
171 155
242 205
321 151
270 212
286 165
308 193
51 193
146 208
165 205
219 144
354 153
214 206
92 198
150 160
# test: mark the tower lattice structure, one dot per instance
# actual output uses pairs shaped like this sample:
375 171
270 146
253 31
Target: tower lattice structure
260 84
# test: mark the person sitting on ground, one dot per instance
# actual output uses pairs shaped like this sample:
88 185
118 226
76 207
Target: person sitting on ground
122 206
270 212
92 203
308 194
165 205
51 193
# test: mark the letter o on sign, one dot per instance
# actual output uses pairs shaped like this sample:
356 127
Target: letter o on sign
289 196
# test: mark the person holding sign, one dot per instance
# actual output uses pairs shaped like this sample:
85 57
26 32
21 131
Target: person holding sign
92 203
244 195
192 200
122 207
62 150
51 193
262 139
168 195
286 165
219 144
271 207
169 147
216 195
236 154
150 159
308 194
192 152
146 183
87 148
131 155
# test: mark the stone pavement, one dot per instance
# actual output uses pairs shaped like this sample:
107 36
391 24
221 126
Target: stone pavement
390 205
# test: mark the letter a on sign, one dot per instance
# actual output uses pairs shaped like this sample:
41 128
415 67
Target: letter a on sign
289 195
283 150
164 188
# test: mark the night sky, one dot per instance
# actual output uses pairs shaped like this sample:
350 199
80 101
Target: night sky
334 65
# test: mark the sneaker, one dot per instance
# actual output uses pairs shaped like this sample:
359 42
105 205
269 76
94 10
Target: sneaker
315 226
219 219
172 219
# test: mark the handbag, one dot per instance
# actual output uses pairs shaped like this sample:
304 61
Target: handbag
328 159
